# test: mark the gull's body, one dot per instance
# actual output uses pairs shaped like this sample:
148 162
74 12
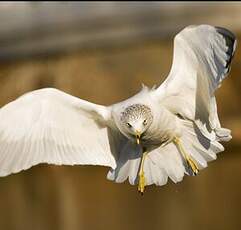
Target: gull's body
160 133
163 127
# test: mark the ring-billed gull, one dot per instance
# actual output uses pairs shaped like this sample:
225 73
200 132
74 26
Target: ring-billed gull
158 133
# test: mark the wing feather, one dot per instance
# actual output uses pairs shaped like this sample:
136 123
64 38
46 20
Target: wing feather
201 60
50 126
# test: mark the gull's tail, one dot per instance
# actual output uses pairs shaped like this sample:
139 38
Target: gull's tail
167 161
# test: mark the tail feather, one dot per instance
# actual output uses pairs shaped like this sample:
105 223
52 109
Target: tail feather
160 164
154 174
166 161
169 162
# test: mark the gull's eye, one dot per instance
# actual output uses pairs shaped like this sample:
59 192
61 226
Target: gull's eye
129 125
145 122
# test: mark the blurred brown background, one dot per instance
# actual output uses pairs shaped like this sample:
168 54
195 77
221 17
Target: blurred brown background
102 52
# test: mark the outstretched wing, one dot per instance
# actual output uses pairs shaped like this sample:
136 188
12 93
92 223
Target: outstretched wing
202 57
50 126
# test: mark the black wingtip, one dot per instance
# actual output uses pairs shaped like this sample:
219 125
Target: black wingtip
225 32
231 43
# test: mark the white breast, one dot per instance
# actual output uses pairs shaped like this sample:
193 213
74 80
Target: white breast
165 126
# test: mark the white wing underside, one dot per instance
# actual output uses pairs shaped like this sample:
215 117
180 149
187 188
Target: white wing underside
50 126
201 60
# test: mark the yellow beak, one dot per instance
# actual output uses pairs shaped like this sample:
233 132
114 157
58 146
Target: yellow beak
138 136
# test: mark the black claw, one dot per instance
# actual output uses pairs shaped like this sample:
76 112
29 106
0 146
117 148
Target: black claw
195 173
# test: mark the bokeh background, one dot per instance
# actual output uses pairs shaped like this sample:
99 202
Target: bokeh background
102 52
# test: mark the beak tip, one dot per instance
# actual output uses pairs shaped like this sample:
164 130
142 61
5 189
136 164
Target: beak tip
138 136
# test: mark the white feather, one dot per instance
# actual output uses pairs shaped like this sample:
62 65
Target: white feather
50 126
201 60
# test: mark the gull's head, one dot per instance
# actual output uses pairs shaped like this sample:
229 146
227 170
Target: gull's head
136 119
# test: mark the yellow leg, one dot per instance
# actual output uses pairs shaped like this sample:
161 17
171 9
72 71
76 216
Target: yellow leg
141 185
190 161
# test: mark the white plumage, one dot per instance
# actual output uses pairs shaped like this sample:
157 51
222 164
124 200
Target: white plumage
50 126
